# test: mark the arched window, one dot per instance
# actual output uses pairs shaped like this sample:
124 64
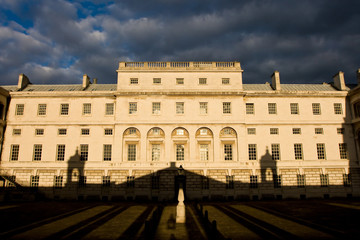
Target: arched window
155 142
180 138
131 144
204 139
228 138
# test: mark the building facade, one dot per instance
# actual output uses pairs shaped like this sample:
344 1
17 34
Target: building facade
232 140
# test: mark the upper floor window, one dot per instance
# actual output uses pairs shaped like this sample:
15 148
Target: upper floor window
134 81
19 109
228 152
320 147
250 108
156 108
132 108
37 152
274 131
225 81
108 131
180 108
14 154
39 131
296 130
60 152
16 131
343 150
179 81
109 109
298 151
84 152
319 131
275 151
156 80
132 152
226 107
340 130
42 109
85 131
62 131
316 108
357 109
203 107
251 131
252 151
337 108
272 108
64 109
86 108
107 152
202 81
294 108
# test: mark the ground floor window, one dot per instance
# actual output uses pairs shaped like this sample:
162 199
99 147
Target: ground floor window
300 180
230 182
106 181
324 180
58 180
34 181
155 182
130 182
347 180
277 181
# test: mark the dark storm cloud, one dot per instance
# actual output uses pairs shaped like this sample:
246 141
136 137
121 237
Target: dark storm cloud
58 41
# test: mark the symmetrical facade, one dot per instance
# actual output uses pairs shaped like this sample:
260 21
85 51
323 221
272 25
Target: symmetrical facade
234 140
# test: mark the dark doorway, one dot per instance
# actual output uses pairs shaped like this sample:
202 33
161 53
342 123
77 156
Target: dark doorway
180 180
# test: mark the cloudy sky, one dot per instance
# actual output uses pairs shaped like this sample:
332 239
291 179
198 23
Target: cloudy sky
57 41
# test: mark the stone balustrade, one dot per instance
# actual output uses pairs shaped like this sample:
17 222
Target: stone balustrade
179 65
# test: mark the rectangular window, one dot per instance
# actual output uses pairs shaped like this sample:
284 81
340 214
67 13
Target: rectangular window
300 180
251 131
156 80
202 81
203 108
204 152
39 131
155 182
109 109
82 181
42 109
37 152
106 181
252 151
253 181
226 107
84 152
34 181
274 131
107 152
225 81
277 180
130 181
298 151
205 183
321 150
230 182
16 131
155 152
19 110
347 180
10 181
324 180
272 108
250 108
14 154
86 108
60 155
294 108
134 81
319 131
64 109
180 152
132 108
343 151
132 152
85 131
179 81
180 108
58 180
228 152
340 130
275 151
156 108
296 130
338 108
108 131
62 131
316 108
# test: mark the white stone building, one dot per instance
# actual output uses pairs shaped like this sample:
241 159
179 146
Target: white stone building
234 140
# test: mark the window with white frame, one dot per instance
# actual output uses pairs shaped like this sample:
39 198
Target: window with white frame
156 108
85 131
226 107
204 152
132 108
294 108
37 152
16 131
14 153
109 109
180 152
300 180
250 108
180 81
340 130
180 108
134 81
64 109
275 151
60 152
228 152
34 181
84 152
108 131
272 108
86 108
319 131
202 81
316 109
39 131
274 131
203 107
343 150
324 180
42 109
252 151
251 131
296 130
156 80
131 152
19 109
298 151
253 181
58 181
225 81
321 150
338 108
107 152
155 152
62 131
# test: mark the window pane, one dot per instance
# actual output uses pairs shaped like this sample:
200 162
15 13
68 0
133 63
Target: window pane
180 152
203 108
84 152
228 152
252 151
156 108
298 151
202 81
37 152
41 109
86 108
108 131
62 131
19 109
250 108
107 152
132 152
320 150
132 108
316 108
226 107
60 152
337 108
275 151
14 155
204 152
155 152
179 108
134 81
343 150
294 108
64 109
109 109
272 108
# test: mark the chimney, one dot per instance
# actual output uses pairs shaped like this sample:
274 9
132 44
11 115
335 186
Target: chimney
95 81
275 81
23 81
86 81
339 81
358 76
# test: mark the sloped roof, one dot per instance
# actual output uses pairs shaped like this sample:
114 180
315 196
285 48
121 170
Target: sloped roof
12 88
101 87
307 87
257 87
